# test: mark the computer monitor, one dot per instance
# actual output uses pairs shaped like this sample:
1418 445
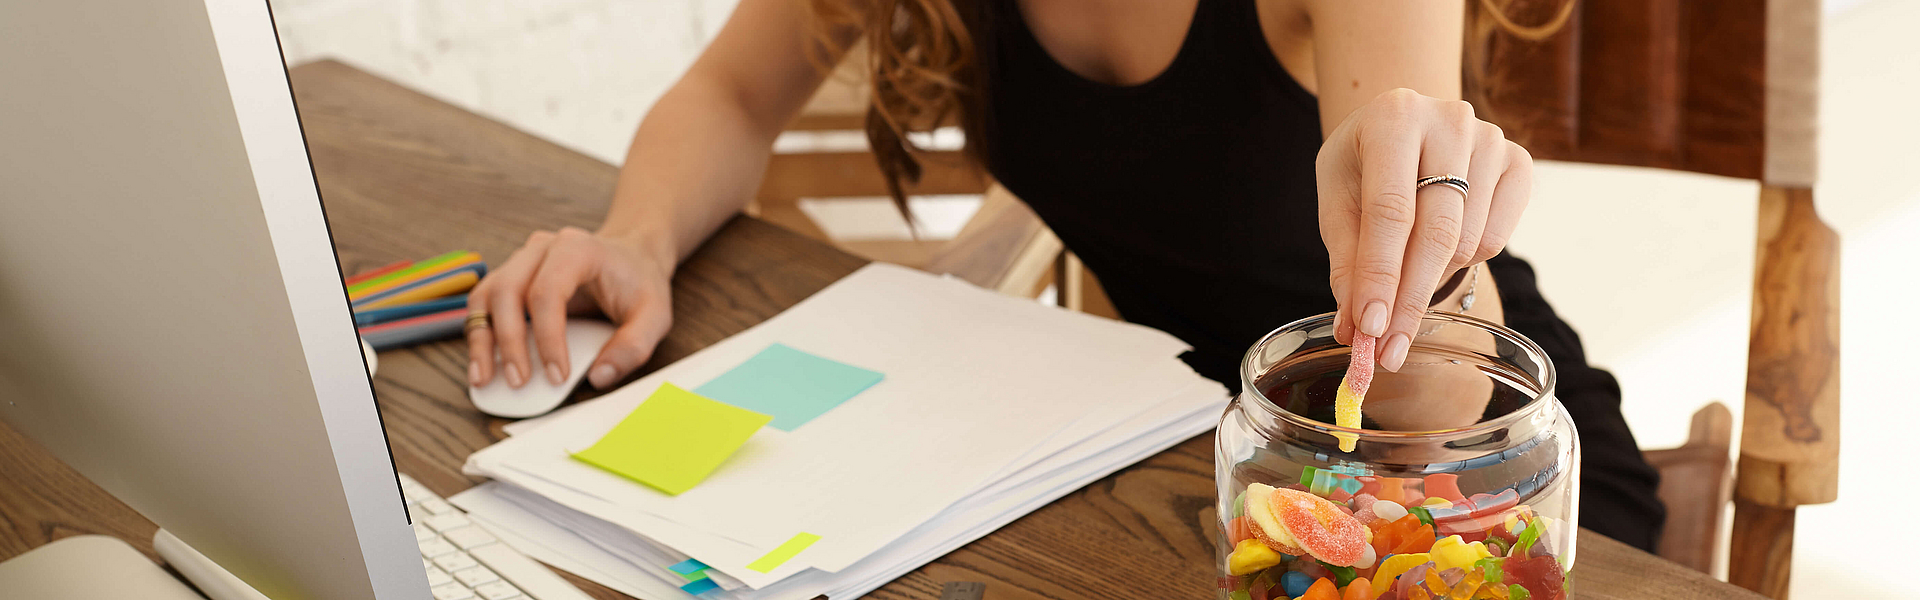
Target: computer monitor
172 319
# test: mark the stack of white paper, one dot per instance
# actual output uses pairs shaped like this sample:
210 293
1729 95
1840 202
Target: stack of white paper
990 407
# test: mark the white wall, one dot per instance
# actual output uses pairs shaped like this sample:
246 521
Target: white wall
1653 268
578 72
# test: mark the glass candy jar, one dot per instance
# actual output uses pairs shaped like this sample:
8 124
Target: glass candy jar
1463 483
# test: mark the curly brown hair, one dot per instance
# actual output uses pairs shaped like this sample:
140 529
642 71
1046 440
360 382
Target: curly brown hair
923 63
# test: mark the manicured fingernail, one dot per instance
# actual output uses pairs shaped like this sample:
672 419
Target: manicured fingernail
602 376
473 374
516 375
1395 352
555 374
1373 322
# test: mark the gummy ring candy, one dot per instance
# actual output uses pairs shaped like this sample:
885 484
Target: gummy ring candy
1353 390
1266 521
1319 527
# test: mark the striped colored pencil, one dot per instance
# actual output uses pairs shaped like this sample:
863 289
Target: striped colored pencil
453 283
424 328
426 269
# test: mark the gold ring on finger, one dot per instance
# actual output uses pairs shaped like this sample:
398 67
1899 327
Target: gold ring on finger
478 321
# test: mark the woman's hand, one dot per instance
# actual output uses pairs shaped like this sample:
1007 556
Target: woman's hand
1391 245
567 272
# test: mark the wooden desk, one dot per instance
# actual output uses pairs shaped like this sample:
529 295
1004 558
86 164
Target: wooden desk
405 176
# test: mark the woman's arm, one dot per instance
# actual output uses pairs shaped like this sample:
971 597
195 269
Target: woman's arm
1388 78
701 150
696 160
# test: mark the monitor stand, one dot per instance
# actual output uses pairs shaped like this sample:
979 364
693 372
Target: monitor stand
87 567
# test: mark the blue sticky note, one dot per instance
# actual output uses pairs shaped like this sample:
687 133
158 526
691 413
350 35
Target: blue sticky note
793 386
700 587
687 567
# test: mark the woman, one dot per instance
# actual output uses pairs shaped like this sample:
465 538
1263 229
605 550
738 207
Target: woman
1187 150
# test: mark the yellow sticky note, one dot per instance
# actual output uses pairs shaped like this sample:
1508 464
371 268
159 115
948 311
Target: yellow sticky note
780 556
674 439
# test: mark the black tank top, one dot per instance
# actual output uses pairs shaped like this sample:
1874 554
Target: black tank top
1191 195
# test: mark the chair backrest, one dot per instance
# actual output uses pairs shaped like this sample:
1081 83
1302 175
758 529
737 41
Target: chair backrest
1726 87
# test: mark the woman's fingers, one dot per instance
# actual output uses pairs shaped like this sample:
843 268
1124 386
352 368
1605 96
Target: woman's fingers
505 298
1509 200
1388 244
1337 179
479 341
1390 156
569 263
1483 177
633 343
1447 149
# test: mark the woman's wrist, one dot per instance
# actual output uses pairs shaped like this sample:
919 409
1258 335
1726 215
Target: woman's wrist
649 242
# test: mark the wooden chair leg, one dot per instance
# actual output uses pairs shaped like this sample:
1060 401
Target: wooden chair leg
1694 482
1790 443
1762 556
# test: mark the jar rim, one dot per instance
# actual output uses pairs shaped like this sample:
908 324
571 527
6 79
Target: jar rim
1547 380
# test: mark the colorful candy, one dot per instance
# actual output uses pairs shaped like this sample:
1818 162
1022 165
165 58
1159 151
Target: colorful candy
1251 556
1541 577
1467 586
1239 529
1360 589
1393 567
1452 553
1391 511
1353 390
1296 543
1323 589
1295 583
1266 521
1316 525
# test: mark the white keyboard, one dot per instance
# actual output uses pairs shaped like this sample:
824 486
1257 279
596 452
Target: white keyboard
464 562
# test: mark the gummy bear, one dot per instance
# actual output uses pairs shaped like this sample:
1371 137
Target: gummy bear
1434 582
1467 586
1540 576
1322 589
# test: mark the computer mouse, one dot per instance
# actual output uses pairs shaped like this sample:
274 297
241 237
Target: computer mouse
585 337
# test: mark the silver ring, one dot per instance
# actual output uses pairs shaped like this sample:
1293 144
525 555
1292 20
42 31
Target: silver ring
1457 183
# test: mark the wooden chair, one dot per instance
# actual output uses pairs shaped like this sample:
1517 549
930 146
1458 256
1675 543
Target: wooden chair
1724 87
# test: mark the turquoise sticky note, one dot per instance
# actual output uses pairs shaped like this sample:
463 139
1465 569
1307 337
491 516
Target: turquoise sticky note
793 386
688 567
700 587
